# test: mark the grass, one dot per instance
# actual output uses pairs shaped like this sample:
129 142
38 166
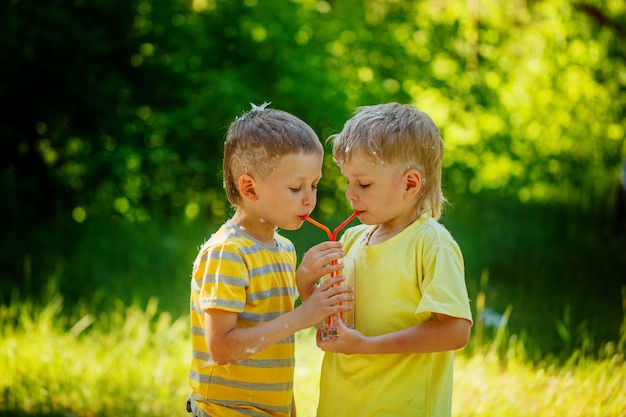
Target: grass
131 361
125 363
544 282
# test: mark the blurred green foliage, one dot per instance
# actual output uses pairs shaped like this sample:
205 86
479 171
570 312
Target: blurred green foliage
114 113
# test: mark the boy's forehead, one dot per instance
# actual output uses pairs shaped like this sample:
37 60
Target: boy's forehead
360 165
301 164
367 166
358 157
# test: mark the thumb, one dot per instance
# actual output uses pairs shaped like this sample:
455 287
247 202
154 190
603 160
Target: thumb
338 323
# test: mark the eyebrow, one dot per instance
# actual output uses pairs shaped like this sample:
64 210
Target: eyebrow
303 178
360 174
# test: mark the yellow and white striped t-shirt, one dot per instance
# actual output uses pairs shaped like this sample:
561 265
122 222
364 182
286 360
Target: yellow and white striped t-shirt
235 272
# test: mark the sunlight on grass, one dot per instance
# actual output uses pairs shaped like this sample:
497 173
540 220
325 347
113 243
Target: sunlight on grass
131 362
486 385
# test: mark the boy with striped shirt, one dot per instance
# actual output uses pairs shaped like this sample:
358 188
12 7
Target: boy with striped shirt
243 285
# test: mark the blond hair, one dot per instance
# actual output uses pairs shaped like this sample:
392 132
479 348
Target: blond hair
397 134
257 139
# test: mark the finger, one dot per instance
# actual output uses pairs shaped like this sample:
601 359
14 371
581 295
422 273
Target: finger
339 304
326 261
334 267
341 288
330 282
327 245
332 244
339 323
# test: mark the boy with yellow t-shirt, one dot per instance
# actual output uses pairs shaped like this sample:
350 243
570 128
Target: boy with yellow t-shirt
411 305
243 285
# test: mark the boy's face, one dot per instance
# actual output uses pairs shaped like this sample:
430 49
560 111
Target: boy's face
378 191
289 193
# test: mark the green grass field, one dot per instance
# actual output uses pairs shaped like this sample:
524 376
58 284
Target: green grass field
108 335
131 362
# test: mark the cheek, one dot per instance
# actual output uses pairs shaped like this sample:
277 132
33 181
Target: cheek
287 197
388 196
372 200
396 183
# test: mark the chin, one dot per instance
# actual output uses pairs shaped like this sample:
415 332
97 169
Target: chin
291 226
364 219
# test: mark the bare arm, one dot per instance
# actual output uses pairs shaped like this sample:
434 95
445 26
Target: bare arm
228 343
439 334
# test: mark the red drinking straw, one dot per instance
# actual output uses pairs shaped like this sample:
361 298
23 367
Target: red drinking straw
332 237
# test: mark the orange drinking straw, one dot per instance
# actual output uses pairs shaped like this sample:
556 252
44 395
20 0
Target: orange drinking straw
332 237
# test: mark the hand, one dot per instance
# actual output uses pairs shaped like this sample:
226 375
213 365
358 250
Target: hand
327 299
349 341
316 263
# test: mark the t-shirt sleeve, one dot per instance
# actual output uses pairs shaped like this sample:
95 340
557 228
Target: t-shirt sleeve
223 277
443 287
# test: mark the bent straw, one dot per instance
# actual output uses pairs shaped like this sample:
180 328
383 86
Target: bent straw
321 226
344 223
332 237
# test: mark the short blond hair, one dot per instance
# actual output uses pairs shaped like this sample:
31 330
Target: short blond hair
393 134
257 139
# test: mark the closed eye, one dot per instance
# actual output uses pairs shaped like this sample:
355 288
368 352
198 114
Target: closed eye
298 189
361 185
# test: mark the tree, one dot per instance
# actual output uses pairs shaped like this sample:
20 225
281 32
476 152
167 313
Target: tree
118 109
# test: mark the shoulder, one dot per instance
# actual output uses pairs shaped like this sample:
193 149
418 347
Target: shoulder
232 243
434 242
226 235
429 236
432 230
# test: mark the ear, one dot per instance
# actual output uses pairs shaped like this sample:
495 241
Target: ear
412 182
247 189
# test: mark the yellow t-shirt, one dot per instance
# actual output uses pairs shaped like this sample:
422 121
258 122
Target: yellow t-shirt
235 272
400 283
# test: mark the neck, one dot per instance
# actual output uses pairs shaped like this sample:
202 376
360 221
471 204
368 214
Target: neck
258 228
380 235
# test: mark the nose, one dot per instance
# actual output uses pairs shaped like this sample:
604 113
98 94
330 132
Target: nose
309 198
351 195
